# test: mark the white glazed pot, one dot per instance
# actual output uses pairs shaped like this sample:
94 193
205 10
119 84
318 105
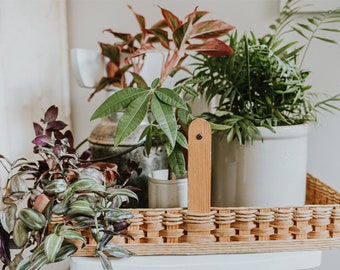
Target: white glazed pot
271 172
164 193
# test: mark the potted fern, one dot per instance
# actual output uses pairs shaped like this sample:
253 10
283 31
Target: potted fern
166 109
261 95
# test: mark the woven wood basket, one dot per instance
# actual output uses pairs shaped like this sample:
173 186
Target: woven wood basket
202 229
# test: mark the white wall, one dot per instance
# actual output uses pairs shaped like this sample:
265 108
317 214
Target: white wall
33 69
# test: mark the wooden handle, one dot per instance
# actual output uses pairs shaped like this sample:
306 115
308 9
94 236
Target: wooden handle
199 166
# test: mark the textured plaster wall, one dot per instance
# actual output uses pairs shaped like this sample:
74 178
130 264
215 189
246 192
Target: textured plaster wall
33 69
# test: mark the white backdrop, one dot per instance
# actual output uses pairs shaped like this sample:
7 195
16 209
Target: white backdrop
33 69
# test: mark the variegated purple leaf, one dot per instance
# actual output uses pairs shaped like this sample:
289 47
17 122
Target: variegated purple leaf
55 125
51 114
38 129
41 140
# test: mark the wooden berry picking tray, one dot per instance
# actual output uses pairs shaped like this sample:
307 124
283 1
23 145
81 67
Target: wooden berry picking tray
202 229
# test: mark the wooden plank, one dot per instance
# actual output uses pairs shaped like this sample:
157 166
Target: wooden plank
199 167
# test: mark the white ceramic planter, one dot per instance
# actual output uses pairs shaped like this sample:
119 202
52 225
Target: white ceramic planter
164 193
271 172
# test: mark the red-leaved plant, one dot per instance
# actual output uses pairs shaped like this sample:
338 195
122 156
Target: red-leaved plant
175 37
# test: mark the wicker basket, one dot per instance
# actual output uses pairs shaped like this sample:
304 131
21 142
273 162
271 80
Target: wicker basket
201 229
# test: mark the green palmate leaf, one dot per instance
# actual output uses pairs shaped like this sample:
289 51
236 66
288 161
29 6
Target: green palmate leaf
182 140
57 186
148 135
132 117
184 116
154 83
117 101
171 98
165 117
20 234
177 162
8 216
32 218
52 245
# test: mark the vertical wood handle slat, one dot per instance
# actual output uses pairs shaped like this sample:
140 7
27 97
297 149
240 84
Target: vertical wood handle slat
199 166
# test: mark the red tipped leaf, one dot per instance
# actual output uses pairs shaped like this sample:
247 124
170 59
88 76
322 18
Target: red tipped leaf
210 29
171 19
212 47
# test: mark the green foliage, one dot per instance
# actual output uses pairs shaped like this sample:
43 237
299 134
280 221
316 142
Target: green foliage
262 82
82 195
